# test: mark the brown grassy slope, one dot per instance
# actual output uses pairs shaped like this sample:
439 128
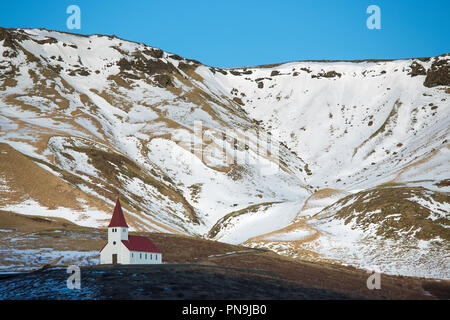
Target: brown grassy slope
28 180
23 223
414 219
184 249
37 232
25 180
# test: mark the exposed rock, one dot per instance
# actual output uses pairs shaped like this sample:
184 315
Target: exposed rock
147 66
48 40
155 53
9 54
438 74
329 74
163 80
56 68
196 62
130 75
222 71
81 72
176 57
238 101
7 37
308 172
124 64
306 69
417 70
186 67
274 73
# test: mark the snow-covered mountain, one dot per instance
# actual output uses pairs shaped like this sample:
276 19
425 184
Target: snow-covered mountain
300 157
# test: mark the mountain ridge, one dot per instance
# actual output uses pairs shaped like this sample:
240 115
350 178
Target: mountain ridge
424 58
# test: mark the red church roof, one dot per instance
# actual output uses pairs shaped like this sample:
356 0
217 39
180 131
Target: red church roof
138 243
118 220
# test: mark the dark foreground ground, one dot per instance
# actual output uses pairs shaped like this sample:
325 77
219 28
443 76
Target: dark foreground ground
170 281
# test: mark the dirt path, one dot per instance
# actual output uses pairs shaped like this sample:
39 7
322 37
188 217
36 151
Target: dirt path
428 157
297 245
299 224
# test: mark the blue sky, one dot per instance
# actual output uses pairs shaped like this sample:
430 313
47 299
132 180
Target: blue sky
251 32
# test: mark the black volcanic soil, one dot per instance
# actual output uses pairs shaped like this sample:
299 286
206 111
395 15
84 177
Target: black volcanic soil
167 281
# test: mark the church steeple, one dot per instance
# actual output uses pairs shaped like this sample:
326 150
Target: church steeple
118 220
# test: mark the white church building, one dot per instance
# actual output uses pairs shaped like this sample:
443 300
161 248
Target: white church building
122 248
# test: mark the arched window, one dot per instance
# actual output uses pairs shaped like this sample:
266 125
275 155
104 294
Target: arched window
140 255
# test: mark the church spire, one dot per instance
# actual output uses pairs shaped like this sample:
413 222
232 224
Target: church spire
118 220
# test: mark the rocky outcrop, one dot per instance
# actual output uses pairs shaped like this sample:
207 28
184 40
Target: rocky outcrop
417 70
438 74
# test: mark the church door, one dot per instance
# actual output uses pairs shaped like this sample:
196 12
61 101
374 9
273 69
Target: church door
114 258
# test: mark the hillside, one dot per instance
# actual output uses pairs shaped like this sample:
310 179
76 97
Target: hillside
259 155
194 268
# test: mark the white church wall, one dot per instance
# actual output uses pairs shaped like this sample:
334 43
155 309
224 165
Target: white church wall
138 257
123 254
118 233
